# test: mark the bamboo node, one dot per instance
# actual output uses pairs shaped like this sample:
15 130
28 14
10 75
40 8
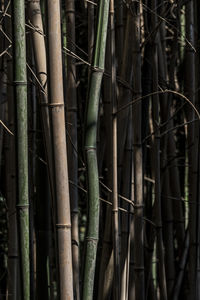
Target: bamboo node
88 148
97 69
63 226
19 82
22 205
90 238
51 104
138 205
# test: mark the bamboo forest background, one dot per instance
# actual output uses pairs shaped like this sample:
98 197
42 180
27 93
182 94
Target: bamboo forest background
99 149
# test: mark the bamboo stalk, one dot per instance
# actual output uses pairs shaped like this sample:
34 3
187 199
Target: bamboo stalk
63 221
39 47
182 266
20 81
125 226
138 161
192 149
71 102
90 148
106 269
124 92
115 210
13 253
156 147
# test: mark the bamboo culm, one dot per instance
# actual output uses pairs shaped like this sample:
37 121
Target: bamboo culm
90 149
20 83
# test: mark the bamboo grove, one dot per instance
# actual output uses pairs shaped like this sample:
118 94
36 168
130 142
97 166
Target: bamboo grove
99 149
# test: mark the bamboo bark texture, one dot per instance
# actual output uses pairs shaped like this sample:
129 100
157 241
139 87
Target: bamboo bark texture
72 145
20 83
90 149
56 105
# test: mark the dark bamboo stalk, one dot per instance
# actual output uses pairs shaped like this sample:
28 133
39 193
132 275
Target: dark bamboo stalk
115 210
181 271
138 161
13 255
106 271
20 81
156 149
192 149
125 227
71 102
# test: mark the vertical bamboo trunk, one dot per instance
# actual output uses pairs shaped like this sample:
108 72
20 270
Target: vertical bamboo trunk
42 219
115 210
137 162
13 257
106 271
167 207
181 269
156 149
174 177
20 82
192 149
125 220
124 91
71 102
90 148
31 97
63 221
39 47
10 161
197 80
119 33
91 37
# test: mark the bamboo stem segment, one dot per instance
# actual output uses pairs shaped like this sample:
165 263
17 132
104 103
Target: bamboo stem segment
90 148
63 221
20 88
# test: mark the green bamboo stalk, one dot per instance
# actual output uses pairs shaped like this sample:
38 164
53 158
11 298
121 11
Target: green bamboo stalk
20 81
106 268
90 148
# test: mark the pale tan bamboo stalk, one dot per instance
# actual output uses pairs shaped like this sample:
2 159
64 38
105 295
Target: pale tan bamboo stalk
39 51
115 209
39 47
63 220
